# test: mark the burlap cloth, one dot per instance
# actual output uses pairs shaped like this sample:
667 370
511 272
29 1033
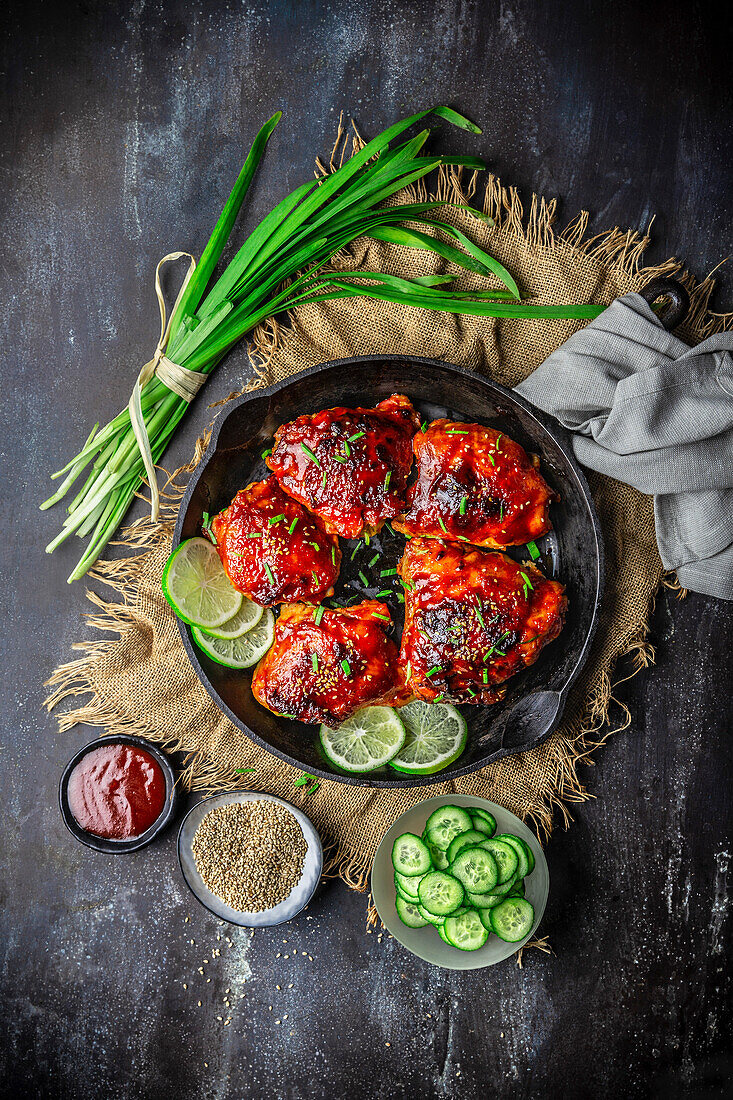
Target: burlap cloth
140 680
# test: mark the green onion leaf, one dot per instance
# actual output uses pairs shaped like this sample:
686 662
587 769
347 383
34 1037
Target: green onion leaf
318 615
304 447
346 667
462 508
267 569
533 549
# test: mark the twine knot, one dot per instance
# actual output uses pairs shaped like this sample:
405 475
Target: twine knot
181 381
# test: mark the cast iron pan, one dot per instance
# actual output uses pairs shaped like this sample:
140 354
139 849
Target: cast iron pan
572 551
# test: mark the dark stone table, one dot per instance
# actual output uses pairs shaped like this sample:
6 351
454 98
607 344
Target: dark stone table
123 127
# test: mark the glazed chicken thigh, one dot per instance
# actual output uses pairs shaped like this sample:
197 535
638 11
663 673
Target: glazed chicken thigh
473 618
349 466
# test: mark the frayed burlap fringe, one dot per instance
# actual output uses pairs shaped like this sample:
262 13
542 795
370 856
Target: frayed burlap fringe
616 251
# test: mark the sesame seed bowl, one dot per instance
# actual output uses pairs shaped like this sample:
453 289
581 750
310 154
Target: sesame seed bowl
195 867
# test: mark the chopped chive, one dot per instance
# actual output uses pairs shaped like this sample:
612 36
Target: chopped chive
525 591
356 550
363 579
424 427
533 549
346 667
293 525
378 615
356 435
272 520
314 788
293 716
480 617
310 454
303 780
408 669
333 555
501 511
408 584
269 573
433 670
527 580
315 546
471 692
267 453
339 458
367 539
464 502
374 560
400 597
531 640
485 676
316 579
347 448
488 653
384 593
241 771
387 480
439 697
463 538
456 431
325 479
491 458
500 652
314 661
496 444
318 615
443 526
388 573
254 535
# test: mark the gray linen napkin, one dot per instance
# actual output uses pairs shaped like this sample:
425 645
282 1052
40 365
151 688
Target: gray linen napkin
649 411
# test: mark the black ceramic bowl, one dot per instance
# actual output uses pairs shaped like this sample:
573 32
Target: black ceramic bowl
572 551
102 844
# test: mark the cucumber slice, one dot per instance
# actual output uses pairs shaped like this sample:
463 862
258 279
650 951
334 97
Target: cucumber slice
517 890
440 859
476 870
466 932
242 651
410 856
440 893
445 823
196 586
408 883
512 920
485 917
477 811
463 840
248 616
404 895
505 856
484 901
436 736
520 848
441 932
430 917
481 825
409 914
365 741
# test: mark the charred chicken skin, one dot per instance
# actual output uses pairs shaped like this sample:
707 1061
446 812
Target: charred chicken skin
349 466
273 549
325 664
476 485
473 618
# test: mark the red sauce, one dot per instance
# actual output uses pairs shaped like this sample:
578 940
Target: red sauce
116 791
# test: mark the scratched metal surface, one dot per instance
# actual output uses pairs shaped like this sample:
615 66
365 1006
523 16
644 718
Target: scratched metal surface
123 126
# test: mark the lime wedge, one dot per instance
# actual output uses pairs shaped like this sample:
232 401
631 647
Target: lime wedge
243 651
436 736
248 616
365 741
196 586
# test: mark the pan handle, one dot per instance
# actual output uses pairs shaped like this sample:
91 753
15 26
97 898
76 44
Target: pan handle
679 300
531 718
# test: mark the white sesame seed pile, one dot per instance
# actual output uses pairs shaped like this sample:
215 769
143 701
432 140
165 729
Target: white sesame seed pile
250 854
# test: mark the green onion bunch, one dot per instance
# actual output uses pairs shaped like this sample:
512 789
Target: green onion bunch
282 264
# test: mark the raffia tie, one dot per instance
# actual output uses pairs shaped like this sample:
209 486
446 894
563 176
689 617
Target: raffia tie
181 381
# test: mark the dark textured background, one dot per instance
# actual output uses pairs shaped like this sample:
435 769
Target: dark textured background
123 126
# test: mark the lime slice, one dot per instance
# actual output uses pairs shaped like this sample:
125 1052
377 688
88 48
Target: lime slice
196 586
248 616
365 741
436 736
242 651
